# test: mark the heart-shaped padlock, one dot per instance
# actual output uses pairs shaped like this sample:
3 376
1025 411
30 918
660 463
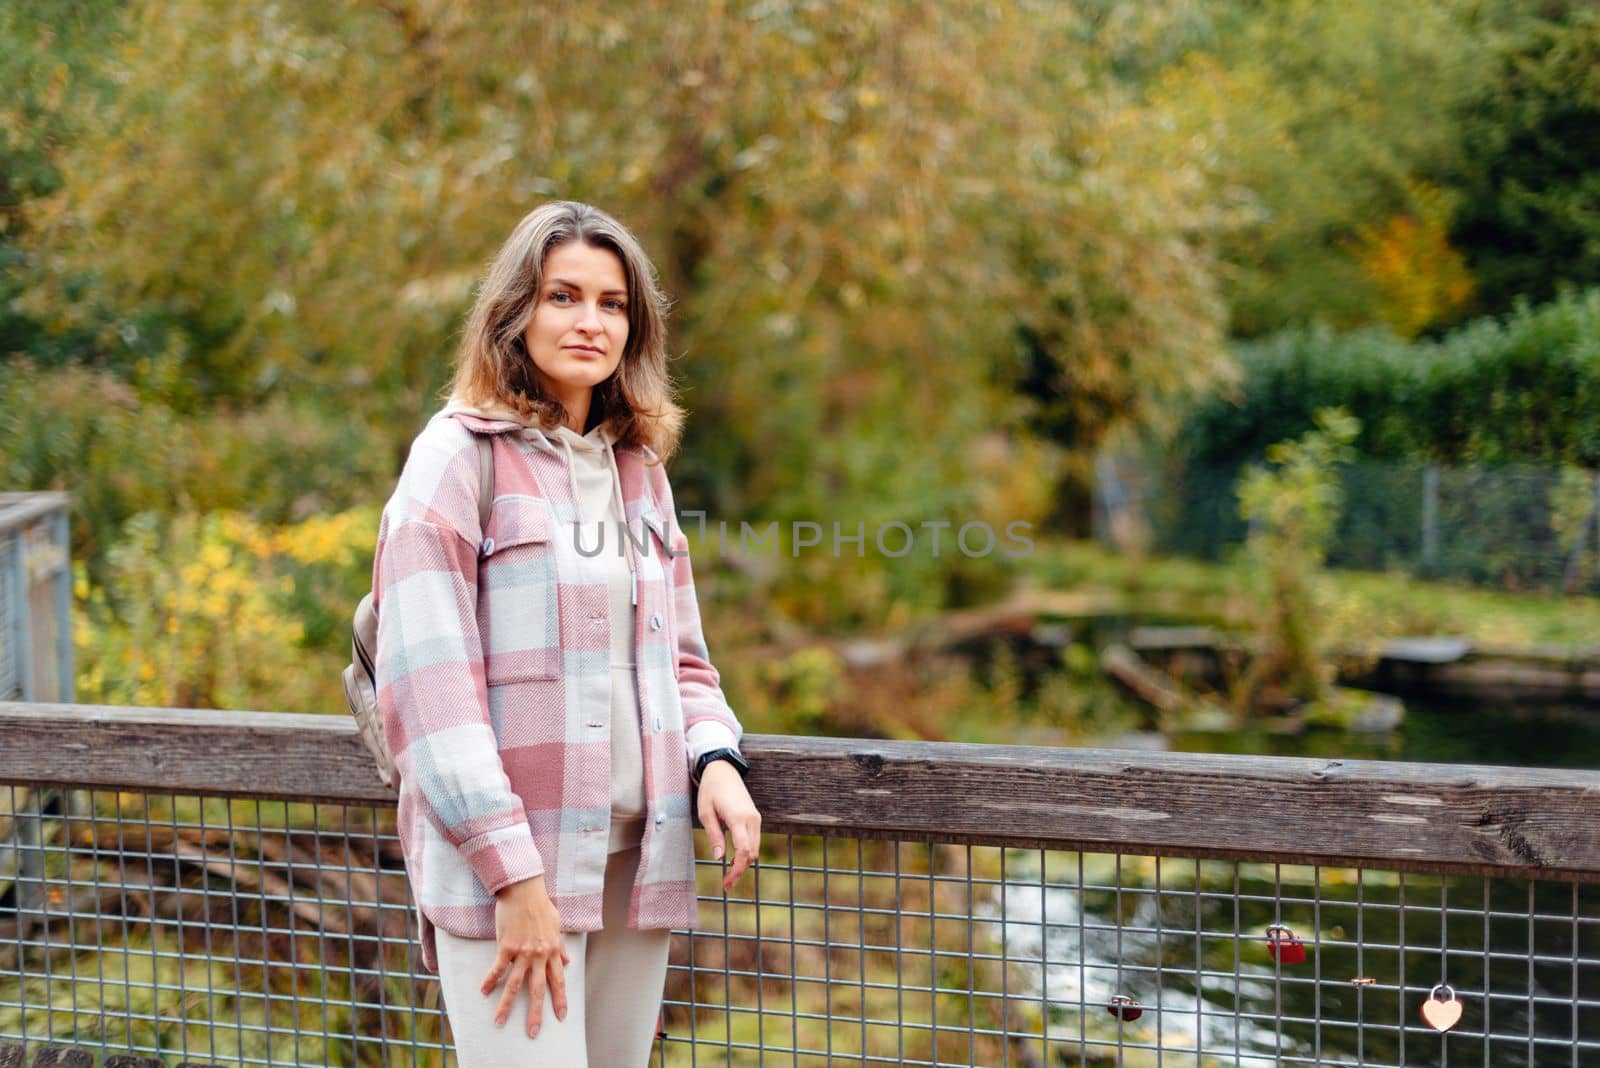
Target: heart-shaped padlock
1124 1008
1283 946
1441 1013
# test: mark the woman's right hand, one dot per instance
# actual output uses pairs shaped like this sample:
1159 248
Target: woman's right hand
531 951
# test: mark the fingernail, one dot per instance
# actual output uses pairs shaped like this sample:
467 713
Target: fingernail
717 853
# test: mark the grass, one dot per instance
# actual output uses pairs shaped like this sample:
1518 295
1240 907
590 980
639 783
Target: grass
1367 604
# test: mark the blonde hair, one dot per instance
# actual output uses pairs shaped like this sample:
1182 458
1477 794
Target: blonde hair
494 370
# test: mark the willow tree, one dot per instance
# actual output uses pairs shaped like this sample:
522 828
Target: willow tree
892 233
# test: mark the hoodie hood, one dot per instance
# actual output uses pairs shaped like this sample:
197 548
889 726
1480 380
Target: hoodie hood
596 449
490 419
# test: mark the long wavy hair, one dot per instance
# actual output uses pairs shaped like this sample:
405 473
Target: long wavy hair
493 368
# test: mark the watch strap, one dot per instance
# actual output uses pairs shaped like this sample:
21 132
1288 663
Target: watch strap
732 756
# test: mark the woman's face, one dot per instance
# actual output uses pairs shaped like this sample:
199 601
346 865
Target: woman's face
580 322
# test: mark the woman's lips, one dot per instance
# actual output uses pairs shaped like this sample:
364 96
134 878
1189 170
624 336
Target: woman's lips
584 351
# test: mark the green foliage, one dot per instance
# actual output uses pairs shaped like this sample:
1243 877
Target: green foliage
215 611
1292 508
1367 607
120 453
1574 507
48 52
799 690
1527 185
1523 389
839 205
1318 118
1499 404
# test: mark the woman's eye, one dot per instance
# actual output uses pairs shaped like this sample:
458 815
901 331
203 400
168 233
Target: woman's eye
616 305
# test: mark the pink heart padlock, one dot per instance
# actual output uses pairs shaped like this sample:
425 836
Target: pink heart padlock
1441 1013
1283 946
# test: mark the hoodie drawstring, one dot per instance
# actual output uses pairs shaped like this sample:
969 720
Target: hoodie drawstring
627 537
616 495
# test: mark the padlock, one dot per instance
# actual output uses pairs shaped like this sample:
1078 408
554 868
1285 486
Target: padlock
1124 1008
1441 1013
1283 946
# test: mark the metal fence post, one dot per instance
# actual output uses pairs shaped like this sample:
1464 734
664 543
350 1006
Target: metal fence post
1597 518
1430 516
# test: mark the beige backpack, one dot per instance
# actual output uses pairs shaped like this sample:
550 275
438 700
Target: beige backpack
361 676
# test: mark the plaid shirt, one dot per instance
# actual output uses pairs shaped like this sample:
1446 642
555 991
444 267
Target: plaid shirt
493 675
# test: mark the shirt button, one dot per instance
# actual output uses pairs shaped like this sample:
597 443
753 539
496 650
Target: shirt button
660 820
655 621
597 615
658 723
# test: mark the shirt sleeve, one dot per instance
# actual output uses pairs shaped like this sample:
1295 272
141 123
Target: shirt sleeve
708 721
433 698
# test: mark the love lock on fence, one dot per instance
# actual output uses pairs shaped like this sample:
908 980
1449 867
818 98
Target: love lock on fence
1124 1008
1283 946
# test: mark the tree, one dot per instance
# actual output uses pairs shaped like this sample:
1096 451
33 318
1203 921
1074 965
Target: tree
1529 186
1330 124
47 49
859 216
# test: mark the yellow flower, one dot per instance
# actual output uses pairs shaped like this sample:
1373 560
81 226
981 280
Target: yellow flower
215 557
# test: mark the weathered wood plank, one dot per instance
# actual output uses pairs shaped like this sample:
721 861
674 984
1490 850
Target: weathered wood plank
242 754
14 1055
18 509
1461 818
1467 818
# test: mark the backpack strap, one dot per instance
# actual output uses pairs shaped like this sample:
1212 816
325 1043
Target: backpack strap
485 480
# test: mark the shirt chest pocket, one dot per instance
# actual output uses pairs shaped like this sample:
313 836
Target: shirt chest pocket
519 609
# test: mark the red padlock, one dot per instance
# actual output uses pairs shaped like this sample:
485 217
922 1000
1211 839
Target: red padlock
1283 946
1124 1008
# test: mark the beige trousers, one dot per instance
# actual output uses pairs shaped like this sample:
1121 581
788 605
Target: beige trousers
614 988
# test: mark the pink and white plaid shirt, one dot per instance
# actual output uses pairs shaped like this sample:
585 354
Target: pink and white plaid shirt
493 675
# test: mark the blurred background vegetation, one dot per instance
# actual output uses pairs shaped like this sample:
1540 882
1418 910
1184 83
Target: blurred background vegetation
928 262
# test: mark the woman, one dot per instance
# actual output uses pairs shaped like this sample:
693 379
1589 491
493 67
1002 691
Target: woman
545 688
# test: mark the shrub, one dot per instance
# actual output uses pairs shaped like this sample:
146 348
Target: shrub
1292 508
217 611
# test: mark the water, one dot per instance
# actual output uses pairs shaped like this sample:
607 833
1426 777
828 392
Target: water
1544 735
1518 951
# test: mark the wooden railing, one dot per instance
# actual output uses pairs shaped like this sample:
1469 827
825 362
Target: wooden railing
993 811
1451 818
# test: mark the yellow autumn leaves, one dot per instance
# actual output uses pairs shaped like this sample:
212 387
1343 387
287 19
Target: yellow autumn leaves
221 611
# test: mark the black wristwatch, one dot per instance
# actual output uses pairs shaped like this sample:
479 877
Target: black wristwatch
730 755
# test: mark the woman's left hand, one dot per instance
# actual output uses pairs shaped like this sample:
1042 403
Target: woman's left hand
724 801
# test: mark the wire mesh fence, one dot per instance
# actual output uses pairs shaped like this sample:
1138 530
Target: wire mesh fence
899 953
1515 526
219 931
245 930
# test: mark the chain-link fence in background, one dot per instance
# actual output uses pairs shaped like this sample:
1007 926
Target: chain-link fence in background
914 904
1514 527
